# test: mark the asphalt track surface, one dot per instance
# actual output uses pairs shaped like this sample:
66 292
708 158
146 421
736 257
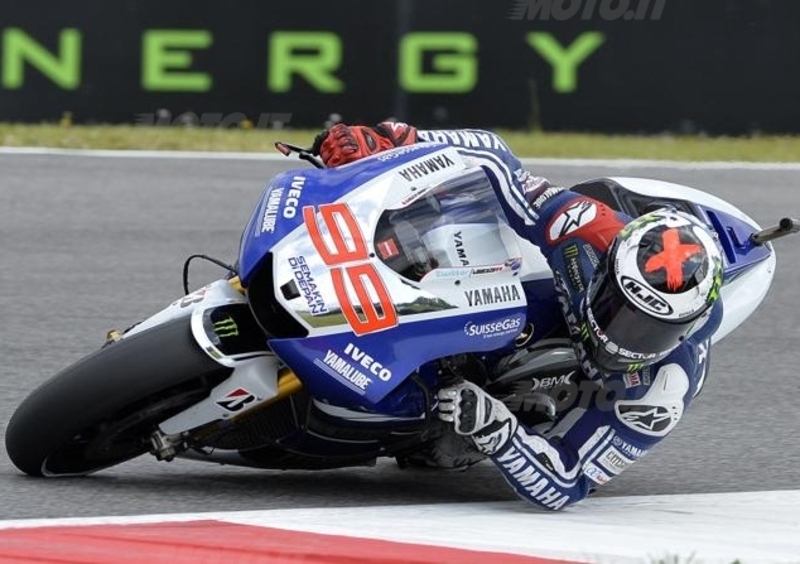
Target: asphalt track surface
88 244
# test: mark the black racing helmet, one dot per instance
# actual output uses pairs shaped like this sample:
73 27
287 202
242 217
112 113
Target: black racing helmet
653 289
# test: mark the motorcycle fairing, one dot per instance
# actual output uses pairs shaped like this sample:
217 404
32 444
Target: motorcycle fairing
217 293
366 325
375 178
228 333
359 365
748 268
739 251
733 228
252 383
361 371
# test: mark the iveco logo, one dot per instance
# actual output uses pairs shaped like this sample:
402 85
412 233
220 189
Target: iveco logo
644 297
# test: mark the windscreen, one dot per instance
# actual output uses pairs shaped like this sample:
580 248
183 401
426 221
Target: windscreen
456 224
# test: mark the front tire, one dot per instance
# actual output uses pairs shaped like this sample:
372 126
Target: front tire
100 411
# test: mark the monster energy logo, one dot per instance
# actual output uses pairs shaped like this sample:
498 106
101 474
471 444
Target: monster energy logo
716 284
571 251
637 223
226 328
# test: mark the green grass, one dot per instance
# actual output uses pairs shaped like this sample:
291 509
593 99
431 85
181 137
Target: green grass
661 147
575 145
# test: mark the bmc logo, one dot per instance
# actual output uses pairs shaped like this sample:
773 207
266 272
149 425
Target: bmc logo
645 298
360 276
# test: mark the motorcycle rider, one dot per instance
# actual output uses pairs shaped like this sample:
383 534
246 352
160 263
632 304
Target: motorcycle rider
640 298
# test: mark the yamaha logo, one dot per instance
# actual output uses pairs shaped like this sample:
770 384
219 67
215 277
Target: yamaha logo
644 297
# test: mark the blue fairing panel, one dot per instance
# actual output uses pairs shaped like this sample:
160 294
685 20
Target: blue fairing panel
361 371
734 236
279 211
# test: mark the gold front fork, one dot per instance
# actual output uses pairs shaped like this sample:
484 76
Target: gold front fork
288 383
236 284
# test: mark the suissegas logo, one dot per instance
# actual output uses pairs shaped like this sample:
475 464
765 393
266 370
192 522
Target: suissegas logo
496 329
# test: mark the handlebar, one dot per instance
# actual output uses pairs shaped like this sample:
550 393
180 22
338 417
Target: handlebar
304 153
785 227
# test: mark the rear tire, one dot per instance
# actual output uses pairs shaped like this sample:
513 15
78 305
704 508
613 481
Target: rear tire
100 411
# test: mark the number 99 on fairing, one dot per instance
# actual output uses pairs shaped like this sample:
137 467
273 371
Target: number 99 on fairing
350 247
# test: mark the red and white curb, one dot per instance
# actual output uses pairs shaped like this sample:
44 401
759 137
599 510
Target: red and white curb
704 528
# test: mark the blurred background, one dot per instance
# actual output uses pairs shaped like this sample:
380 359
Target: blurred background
99 241
606 66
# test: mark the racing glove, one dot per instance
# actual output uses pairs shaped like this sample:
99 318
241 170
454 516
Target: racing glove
342 144
476 414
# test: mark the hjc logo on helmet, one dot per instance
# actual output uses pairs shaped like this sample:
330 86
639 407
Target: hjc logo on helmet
645 298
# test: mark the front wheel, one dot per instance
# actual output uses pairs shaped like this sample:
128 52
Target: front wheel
100 411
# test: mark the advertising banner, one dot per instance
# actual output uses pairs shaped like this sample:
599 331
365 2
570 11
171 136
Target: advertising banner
719 66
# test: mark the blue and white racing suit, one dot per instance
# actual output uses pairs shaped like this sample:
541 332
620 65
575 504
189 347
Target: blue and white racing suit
595 440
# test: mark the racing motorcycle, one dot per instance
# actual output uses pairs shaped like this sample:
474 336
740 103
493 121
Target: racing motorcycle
358 291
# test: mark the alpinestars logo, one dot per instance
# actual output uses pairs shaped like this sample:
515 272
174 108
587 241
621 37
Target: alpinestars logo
573 218
648 419
226 328
491 438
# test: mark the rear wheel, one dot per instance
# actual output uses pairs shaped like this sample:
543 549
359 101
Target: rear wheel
100 411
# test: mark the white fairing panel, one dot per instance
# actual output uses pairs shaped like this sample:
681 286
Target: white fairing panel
252 383
534 265
217 293
649 187
741 296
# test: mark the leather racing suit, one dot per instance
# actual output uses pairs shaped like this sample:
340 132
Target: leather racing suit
592 442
